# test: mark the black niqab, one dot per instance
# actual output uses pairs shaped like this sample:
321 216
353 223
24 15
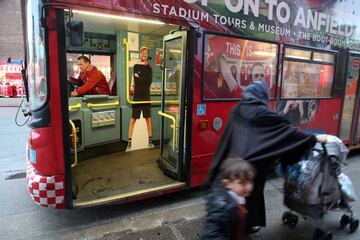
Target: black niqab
257 134
258 91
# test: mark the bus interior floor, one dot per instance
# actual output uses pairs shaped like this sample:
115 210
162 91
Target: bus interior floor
118 173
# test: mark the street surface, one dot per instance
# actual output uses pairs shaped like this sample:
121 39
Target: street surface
12 142
176 216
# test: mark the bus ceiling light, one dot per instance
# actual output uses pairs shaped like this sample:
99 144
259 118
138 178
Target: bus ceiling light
118 17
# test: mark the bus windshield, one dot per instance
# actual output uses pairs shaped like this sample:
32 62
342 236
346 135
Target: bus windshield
36 58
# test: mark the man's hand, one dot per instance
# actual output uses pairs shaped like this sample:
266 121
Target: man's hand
74 93
321 138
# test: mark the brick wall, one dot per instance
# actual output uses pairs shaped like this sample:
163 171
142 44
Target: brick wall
11 38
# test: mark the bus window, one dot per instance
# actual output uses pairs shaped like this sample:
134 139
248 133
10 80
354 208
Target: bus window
297 54
72 67
324 57
103 63
36 58
311 78
231 64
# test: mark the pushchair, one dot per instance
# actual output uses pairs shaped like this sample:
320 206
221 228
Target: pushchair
312 189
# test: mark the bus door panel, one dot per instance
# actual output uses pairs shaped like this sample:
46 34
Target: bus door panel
101 119
172 106
355 68
76 118
351 101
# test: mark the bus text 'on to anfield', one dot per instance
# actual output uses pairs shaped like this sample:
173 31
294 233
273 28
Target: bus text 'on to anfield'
276 11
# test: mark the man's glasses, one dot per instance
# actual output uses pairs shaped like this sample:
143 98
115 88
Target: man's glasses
259 75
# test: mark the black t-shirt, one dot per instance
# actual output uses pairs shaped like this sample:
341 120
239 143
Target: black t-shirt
143 82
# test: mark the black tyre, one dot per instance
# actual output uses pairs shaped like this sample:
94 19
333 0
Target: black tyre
318 234
344 220
329 236
285 218
354 224
293 221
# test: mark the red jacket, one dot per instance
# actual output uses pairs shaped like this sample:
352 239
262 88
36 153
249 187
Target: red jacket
94 82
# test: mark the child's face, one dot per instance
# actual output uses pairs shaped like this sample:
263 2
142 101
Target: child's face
242 188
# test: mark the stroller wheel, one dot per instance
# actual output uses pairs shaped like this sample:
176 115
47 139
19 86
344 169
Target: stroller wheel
286 217
318 234
354 224
293 221
329 236
344 220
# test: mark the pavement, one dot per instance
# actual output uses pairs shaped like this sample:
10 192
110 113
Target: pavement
10 102
185 222
12 141
175 216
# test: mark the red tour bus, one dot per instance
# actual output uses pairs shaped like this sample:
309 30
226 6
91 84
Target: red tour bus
203 53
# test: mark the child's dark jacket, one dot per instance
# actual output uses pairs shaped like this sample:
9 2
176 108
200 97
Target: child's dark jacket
222 221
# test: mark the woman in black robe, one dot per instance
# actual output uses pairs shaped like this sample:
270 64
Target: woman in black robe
259 135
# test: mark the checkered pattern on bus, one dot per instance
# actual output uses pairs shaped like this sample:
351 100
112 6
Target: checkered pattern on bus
47 191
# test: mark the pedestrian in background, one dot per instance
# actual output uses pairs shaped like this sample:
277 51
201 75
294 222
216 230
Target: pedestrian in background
255 133
225 204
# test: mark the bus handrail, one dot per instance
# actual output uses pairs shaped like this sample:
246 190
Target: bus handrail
128 82
94 105
75 107
173 126
74 139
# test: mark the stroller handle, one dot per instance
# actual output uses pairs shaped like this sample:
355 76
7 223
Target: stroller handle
324 149
332 157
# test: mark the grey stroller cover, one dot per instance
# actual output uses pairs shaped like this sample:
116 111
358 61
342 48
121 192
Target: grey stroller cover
315 185
311 185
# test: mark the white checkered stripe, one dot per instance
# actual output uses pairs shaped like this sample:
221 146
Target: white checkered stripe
47 191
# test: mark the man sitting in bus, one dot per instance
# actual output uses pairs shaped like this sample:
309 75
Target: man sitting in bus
92 79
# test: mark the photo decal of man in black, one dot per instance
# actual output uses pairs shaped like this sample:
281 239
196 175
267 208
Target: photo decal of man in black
142 82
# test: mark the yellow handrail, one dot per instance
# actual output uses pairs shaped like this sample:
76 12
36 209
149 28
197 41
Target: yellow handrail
74 139
113 104
173 126
76 106
128 82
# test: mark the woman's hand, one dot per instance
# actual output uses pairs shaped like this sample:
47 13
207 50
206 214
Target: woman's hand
321 138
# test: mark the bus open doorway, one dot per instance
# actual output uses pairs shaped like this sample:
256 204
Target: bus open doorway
103 171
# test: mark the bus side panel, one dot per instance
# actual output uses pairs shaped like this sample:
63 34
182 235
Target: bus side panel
45 173
42 143
55 155
205 140
326 117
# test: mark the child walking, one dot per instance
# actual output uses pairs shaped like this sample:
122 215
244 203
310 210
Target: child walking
225 204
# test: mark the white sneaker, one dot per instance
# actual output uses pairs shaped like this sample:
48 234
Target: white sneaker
128 148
